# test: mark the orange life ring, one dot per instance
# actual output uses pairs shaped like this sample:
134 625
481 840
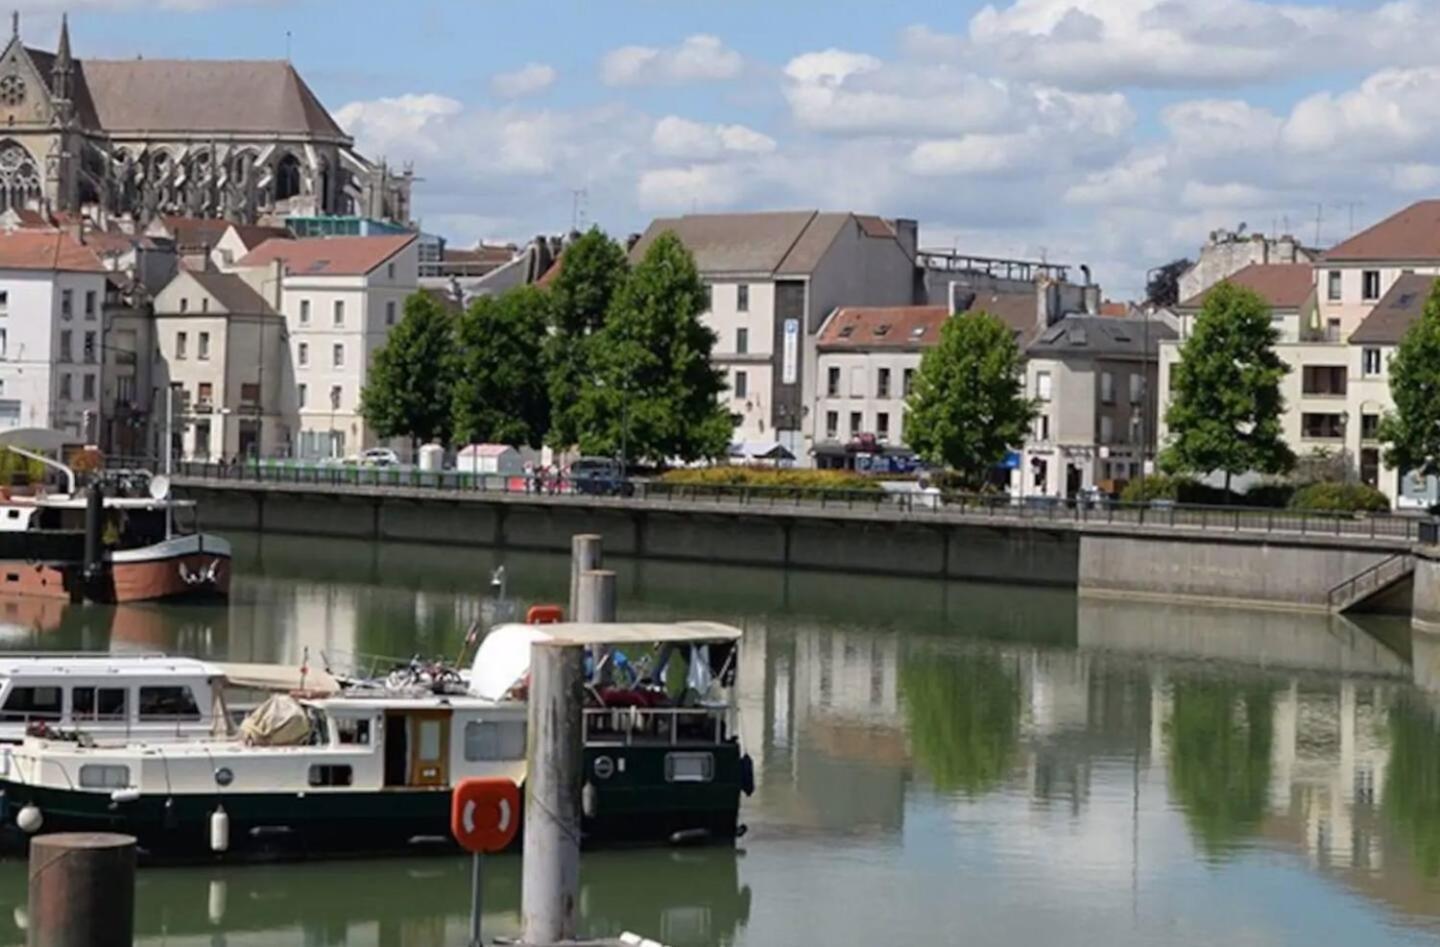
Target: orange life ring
544 615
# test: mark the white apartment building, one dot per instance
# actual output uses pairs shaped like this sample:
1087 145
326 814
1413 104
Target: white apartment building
339 297
222 348
774 278
52 293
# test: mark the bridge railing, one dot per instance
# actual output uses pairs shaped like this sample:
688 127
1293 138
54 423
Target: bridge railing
908 503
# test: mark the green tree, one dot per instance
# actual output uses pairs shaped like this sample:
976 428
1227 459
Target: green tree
408 392
1225 405
963 712
500 392
653 392
592 268
968 405
1412 431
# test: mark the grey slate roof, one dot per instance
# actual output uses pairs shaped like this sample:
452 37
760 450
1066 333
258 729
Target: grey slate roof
781 243
232 292
1100 336
1393 315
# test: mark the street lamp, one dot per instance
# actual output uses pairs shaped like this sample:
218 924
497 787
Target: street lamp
1145 432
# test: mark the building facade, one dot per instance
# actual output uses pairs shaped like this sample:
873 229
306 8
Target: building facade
1228 252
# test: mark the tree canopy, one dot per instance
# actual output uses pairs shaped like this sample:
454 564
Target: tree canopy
408 391
1226 407
592 268
1163 289
500 392
653 391
968 404
1412 431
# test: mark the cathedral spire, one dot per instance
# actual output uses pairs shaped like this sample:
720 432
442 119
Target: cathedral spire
62 54
14 24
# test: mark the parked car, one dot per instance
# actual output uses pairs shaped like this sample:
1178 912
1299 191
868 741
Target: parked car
379 457
601 476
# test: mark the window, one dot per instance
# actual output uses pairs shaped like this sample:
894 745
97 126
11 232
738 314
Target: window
2 342
87 387
337 355
390 312
339 312
168 703
857 382
32 703
908 381
390 271
1332 330
1322 426
300 395
1369 427
1370 362
709 298
742 341
205 392
832 425
184 304
90 348
1137 389
335 397
1042 386
856 423
304 312
125 389
67 303
494 740
1332 286
1044 427
742 298
353 731
67 387
1370 467
742 385
67 341
97 703
882 383
325 774
4 302
302 354
181 345
1107 388
202 348
204 303
104 776
1107 429
882 425
1370 285
832 382
689 767
249 393
1323 380
89 304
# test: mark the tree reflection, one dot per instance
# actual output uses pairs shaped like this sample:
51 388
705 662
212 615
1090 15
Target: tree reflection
964 717
1412 781
1220 734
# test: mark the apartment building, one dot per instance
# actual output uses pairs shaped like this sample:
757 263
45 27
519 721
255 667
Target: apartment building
52 292
339 297
221 346
773 279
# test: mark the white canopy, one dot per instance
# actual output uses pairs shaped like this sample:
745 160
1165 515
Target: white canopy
278 677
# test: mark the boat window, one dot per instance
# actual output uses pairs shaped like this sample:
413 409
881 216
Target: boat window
99 776
97 703
429 740
689 767
494 740
331 776
32 703
168 703
353 730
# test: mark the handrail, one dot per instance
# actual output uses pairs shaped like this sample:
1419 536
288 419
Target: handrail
1337 601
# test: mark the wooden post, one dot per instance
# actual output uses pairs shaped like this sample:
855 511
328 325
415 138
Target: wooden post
550 872
596 596
82 890
585 554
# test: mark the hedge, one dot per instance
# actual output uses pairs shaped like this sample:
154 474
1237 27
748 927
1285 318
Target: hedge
792 478
1340 498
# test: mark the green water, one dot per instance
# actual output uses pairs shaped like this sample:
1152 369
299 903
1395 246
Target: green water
936 764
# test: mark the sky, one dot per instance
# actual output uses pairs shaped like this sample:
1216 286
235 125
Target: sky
1116 133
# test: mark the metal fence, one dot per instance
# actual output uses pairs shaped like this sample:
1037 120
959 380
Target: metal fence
996 507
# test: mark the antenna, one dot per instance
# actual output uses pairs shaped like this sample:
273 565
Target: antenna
287 45
1350 207
579 209
1319 219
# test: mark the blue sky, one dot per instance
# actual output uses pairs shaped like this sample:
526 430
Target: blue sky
1112 132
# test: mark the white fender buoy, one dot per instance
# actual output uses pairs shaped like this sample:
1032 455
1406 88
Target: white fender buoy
216 906
29 819
589 800
219 830
22 917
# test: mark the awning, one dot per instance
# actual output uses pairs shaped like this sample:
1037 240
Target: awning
761 450
278 677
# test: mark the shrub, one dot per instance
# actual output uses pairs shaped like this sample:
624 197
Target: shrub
1271 495
771 477
1339 498
1156 487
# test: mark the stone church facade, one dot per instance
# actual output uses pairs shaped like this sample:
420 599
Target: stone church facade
132 140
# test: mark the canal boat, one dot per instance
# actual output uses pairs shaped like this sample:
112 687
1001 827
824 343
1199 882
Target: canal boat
367 767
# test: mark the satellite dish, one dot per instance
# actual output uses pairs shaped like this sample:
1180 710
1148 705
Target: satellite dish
159 487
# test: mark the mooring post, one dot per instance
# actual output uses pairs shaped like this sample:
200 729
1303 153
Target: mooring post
550 872
82 890
585 554
596 596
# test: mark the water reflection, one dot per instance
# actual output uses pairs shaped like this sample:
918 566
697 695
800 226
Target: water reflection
963 713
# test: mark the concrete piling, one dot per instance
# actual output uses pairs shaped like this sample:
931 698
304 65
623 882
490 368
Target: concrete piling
82 890
585 555
550 873
596 596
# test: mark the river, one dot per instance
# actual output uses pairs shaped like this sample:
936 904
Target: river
936 763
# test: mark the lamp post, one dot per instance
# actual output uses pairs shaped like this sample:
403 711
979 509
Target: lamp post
1145 400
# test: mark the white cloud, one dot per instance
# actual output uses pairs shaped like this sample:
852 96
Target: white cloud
403 122
527 80
676 137
697 187
1394 113
699 58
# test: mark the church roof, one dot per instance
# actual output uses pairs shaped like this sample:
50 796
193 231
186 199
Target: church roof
328 256
48 250
197 96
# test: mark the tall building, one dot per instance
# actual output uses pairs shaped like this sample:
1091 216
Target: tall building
139 138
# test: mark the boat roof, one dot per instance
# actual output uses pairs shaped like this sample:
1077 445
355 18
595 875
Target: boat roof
65 501
103 665
278 677
596 633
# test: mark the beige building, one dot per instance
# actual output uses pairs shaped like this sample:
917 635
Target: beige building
1227 252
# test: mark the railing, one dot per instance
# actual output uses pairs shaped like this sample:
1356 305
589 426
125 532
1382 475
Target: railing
654 725
1361 586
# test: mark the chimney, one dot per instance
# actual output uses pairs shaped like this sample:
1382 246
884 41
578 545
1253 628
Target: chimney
907 233
962 297
277 279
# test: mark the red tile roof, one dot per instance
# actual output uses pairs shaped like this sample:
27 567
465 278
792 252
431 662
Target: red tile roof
889 327
1282 285
1114 309
50 250
328 256
1411 234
